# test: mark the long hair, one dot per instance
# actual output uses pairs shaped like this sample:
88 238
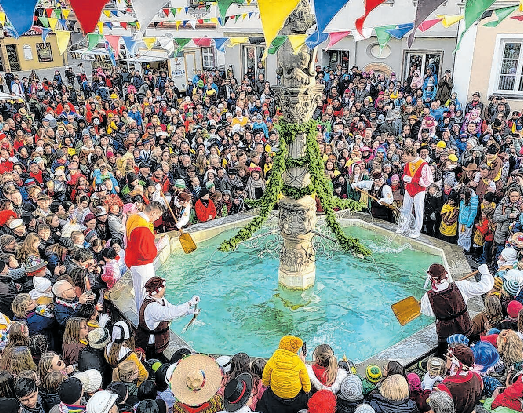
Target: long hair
510 347
51 381
18 334
112 355
395 388
72 330
45 365
240 363
493 309
16 360
324 357
27 249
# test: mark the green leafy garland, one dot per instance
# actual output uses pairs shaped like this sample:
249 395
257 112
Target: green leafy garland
319 186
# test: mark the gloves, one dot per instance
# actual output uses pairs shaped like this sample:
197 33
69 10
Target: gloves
193 311
193 301
103 319
483 269
407 179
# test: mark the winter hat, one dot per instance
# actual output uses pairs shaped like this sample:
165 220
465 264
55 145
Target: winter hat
98 338
441 144
510 255
453 157
351 388
373 373
464 354
89 217
91 380
364 408
490 338
34 264
290 343
457 339
15 223
118 388
179 183
513 308
485 355
323 401
70 390
511 287
41 284
101 402
414 382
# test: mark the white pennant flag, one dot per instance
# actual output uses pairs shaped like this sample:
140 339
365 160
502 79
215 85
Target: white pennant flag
367 32
146 10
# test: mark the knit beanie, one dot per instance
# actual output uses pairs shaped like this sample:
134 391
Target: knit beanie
351 388
457 339
323 401
290 343
91 380
373 373
509 254
511 287
70 390
513 308
364 408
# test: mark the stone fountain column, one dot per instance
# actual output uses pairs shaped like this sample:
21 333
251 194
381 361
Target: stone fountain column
297 96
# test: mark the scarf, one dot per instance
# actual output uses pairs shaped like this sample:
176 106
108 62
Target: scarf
67 304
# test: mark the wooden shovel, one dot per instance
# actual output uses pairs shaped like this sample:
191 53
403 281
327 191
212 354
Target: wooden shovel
391 206
185 239
409 308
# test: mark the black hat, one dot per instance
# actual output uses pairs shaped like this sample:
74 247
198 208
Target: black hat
237 392
144 165
492 150
203 192
70 391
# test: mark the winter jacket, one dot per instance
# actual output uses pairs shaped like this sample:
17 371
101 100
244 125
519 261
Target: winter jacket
344 406
63 311
382 405
511 397
502 219
204 212
71 352
467 213
49 400
91 358
8 293
286 374
318 385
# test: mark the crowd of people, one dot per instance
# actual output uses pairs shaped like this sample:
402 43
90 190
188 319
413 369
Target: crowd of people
92 167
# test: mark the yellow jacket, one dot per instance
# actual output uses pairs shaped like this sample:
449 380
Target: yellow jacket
286 374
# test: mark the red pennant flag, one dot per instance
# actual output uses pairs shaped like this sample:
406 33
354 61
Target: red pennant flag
427 24
88 12
518 18
114 42
49 12
166 11
369 6
200 21
202 42
124 25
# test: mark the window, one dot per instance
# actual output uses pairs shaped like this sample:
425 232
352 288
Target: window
422 61
509 79
208 57
252 61
44 52
338 57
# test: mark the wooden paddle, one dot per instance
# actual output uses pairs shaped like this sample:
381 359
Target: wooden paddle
185 239
391 206
409 308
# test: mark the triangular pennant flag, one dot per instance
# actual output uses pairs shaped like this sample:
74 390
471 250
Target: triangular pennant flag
49 12
501 15
220 21
146 10
88 12
130 44
369 6
276 44
250 14
173 12
233 41
62 22
427 24
181 42
297 42
401 30
192 23
200 21
149 42
114 42
178 24
20 13
66 12
178 9
220 43
166 11
519 18
473 11
109 25
100 26
52 22
325 12
223 6
186 10
520 5
316 38
366 34
93 39
336 37
214 20
202 42
273 14
114 13
449 20
44 20
45 33
62 40
107 13
424 8
2 17
58 13
236 17
382 35
486 14
124 25
184 22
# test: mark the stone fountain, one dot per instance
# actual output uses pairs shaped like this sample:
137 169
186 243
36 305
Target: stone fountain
297 95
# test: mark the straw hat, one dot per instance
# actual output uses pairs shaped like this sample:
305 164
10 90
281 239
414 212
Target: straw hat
196 379
517 240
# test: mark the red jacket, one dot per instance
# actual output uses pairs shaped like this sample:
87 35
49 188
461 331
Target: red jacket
141 249
202 212
510 397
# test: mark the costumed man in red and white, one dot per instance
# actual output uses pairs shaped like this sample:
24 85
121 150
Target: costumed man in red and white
141 249
154 317
417 176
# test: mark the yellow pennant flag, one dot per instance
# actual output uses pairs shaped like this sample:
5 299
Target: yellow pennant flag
52 22
62 39
233 41
215 19
273 14
100 27
2 17
149 42
178 24
244 15
521 5
66 12
107 13
449 20
297 41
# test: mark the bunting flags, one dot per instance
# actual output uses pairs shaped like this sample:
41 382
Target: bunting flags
44 20
202 42
233 41
223 6
449 20
65 13
124 25
88 13
181 42
45 33
130 44
297 41
273 14
400 30
427 24
2 17
114 42
93 39
114 13
62 39
325 12
315 39
369 6
276 44
52 22
473 11
382 35
49 12
366 33
110 53
220 43
146 10
20 14
519 18
100 26
424 9
501 14
149 42
335 38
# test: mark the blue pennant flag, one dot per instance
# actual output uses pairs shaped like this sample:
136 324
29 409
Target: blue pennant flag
109 24
20 13
220 21
325 12
316 39
45 32
110 52
130 44
220 43
114 13
400 30
62 22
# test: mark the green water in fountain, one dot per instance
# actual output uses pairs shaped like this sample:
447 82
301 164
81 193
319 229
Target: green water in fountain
244 310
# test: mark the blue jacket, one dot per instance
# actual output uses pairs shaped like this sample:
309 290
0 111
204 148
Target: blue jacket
62 313
467 213
137 116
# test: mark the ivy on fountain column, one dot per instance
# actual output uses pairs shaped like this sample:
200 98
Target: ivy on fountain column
319 186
